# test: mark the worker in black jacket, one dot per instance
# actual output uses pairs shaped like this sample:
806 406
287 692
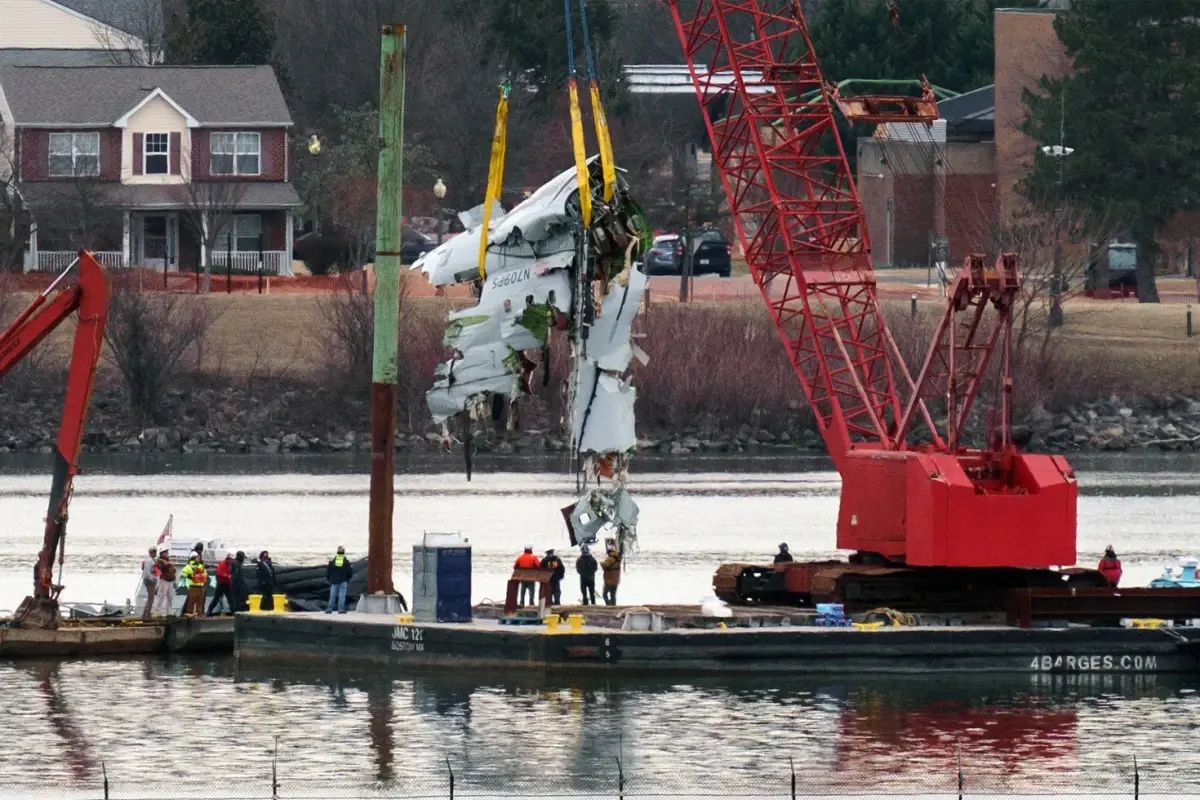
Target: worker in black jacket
555 563
586 566
339 572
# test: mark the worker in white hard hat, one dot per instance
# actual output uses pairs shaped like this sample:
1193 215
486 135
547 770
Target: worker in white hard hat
527 560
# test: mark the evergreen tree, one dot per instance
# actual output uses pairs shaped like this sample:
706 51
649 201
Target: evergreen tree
529 36
222 32
1128 109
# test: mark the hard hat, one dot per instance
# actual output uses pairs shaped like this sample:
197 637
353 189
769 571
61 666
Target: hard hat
194 554
528 548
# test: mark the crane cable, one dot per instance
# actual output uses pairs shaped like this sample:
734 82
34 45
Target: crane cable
603 140
495 172
581 170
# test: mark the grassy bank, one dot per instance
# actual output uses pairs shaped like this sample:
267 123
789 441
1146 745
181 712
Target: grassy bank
270 365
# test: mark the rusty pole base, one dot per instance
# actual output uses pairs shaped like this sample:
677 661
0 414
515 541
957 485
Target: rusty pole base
383 496
37 613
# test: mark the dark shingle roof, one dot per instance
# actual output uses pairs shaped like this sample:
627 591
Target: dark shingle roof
977 104
66 57
131 16
102 95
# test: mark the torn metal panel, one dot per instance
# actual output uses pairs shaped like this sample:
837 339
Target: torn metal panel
601 512
602 418
610 344
473 217
495 368
515 307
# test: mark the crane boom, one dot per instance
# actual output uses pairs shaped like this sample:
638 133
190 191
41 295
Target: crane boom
89 297
769 114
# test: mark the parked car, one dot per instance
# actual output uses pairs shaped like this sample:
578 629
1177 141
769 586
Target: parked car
415 245
665 255
1122 267
712 254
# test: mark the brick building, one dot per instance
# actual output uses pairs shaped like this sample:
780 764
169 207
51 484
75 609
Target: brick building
910 199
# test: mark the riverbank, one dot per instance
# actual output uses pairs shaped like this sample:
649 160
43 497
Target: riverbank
277 375
235 421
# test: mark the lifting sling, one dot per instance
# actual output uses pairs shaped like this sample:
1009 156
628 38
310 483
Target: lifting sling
495 172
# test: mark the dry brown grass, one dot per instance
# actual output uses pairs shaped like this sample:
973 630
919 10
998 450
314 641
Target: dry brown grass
711 364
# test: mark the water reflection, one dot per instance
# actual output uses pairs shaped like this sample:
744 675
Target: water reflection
890 732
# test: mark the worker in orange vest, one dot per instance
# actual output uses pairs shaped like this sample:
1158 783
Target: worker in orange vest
197 580
527 560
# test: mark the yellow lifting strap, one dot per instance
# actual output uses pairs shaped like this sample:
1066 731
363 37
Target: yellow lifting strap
495 173
607 164
581 170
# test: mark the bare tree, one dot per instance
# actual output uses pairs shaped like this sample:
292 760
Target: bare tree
149 334
79 214
352 212
13 219
210 208
132 32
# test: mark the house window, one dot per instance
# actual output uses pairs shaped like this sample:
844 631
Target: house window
157 154
246 231
235 154
74 155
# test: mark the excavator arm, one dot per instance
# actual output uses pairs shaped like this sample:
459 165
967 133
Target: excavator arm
89 297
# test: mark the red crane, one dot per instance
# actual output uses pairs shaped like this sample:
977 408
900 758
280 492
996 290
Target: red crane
89 296
934 504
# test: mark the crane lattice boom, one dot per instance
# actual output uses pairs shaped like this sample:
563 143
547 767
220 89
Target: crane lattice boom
769 113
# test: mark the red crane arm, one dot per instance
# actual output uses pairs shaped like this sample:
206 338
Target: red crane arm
90 297
797 212
769 114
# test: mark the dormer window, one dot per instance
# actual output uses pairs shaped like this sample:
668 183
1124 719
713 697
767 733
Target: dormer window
235 154
157 154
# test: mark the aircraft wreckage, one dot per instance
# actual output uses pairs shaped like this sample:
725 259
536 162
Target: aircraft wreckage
543 271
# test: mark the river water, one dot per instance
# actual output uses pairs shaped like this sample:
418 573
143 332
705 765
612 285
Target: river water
181 717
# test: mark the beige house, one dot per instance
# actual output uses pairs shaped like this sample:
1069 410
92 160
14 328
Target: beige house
79 32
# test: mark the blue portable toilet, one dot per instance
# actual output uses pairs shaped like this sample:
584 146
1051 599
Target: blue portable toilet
442 579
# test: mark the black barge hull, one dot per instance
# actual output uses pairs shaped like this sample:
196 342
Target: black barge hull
379 640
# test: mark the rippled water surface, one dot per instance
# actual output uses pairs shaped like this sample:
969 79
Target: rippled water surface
62 718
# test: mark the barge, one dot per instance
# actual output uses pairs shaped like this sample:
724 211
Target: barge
383 640
82 639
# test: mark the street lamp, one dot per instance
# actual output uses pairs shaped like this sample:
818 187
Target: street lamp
439 191
1059 153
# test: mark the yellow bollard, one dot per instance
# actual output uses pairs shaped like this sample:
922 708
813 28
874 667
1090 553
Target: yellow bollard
254 601
404 619
576 622
552 623
281 603
1148 623
867 626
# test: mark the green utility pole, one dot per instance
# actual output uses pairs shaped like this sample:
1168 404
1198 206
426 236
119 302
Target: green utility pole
387 312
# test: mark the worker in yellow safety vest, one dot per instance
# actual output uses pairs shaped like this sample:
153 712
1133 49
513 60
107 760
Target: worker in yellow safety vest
339 572
197 580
